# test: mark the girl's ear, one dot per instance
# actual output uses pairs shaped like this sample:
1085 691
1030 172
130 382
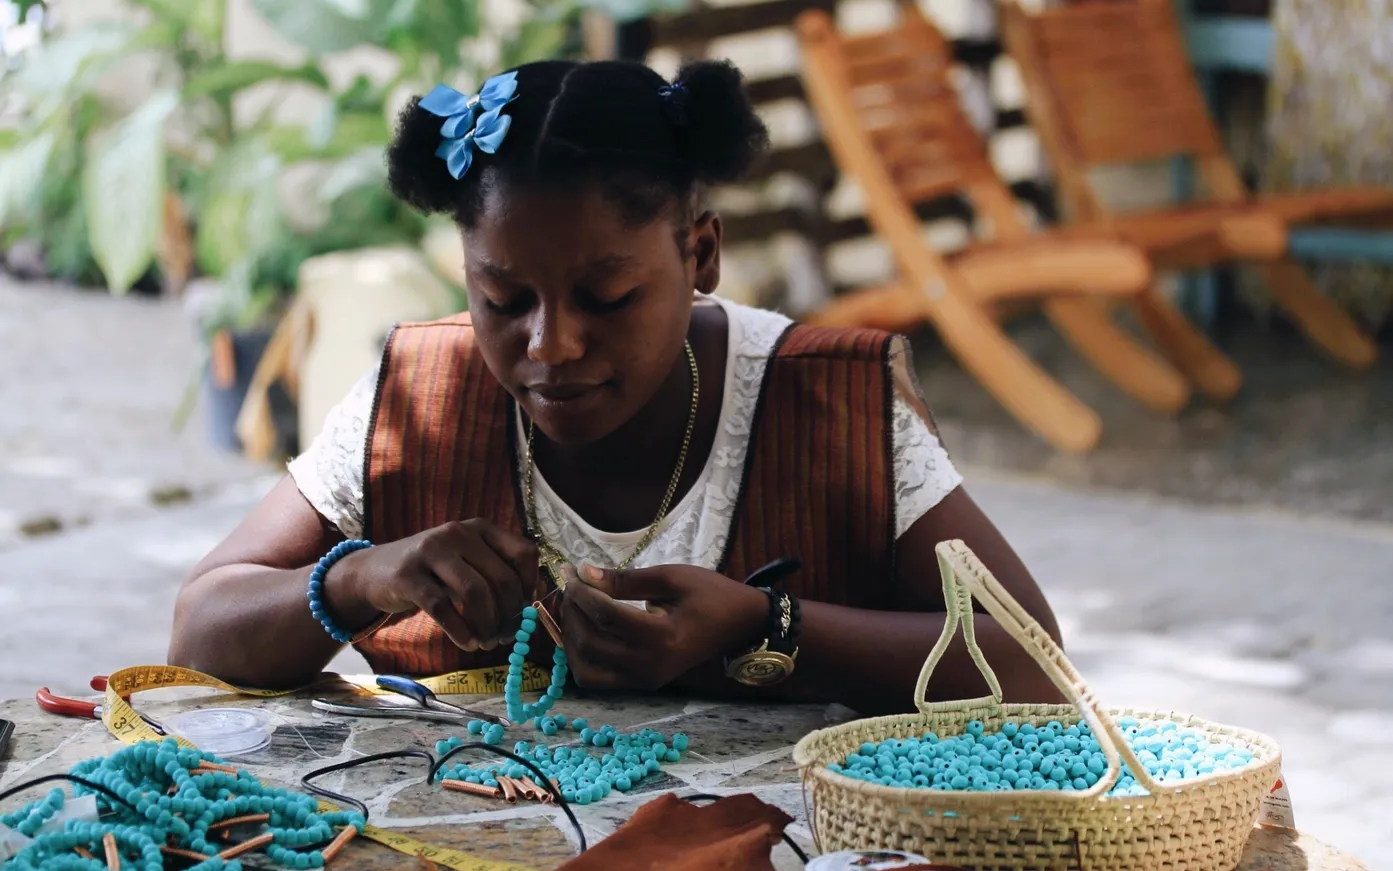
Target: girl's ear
706 248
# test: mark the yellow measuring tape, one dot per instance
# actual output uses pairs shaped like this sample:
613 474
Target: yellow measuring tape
126 725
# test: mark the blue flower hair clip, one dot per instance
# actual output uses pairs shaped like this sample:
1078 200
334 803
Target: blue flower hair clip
465 128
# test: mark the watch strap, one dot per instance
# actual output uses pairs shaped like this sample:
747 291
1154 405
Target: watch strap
785 622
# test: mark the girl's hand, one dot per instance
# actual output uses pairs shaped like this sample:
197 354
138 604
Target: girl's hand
694 615
469 575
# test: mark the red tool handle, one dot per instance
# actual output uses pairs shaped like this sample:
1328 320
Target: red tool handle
66 707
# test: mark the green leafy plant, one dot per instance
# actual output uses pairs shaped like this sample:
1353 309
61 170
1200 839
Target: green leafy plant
123 171
182 182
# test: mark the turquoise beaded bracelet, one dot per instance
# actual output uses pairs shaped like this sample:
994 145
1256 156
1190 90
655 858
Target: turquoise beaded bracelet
316 590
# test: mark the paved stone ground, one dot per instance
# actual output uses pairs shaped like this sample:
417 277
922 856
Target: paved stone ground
1231 610
90 389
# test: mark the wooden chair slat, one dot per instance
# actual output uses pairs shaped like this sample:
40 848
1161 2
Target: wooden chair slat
1110 82
893 121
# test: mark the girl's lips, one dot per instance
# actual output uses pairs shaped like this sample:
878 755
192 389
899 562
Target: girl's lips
562 392
565 400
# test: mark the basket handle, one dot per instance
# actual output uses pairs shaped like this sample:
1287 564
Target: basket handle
966 578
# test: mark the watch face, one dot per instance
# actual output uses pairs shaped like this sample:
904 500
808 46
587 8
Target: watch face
762 668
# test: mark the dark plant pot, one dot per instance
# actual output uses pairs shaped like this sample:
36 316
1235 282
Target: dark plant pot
225 403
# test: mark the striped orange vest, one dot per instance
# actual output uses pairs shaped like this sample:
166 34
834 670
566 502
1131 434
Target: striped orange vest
817 485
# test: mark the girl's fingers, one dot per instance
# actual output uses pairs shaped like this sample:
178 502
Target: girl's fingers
511 590
598 660
466 585
614 618
430 597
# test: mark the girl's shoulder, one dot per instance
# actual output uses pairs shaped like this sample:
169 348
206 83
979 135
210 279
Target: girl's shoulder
763 334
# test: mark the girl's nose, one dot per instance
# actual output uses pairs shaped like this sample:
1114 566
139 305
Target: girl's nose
557 337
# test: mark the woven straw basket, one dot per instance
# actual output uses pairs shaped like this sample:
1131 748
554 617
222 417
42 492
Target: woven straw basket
1201 823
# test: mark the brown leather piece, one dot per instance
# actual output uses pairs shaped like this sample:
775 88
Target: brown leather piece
736 833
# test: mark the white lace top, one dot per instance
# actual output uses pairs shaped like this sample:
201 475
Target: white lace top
330 472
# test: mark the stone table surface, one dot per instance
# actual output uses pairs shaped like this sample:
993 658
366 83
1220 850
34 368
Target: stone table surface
734 749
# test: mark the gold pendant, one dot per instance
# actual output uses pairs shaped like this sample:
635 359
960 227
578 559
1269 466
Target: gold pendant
549 559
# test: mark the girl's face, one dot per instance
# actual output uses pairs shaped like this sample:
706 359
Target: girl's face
580 316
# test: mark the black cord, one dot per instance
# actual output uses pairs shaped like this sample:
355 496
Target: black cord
70 778
354 763
435 765
702 796
545 781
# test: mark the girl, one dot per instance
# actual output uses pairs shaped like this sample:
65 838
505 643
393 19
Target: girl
598 416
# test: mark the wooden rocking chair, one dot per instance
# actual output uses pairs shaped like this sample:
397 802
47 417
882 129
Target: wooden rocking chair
1110 83
891 118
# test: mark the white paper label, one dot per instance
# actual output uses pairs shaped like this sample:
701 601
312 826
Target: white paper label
11 842
84 809
1276 810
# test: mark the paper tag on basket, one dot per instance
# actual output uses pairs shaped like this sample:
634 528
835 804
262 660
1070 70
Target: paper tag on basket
1276 810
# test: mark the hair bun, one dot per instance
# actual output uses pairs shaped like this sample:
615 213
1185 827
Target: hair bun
414 174
722 135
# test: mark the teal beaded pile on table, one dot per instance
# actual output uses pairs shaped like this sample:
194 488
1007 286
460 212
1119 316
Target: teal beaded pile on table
581 778
176 806
1049 757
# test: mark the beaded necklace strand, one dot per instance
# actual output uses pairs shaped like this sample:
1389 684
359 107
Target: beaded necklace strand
580 777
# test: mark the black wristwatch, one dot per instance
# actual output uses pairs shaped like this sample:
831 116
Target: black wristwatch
772 661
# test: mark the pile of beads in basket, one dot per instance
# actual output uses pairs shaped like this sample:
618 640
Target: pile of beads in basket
180 802
579 776
1028 757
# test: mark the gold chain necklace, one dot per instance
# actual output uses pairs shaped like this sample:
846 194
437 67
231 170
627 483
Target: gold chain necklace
551 559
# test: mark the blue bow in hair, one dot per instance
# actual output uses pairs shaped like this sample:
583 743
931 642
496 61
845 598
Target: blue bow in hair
461 131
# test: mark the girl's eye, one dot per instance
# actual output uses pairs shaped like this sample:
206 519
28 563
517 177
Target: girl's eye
517 305
604 306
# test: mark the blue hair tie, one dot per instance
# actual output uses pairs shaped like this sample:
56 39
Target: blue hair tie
465 129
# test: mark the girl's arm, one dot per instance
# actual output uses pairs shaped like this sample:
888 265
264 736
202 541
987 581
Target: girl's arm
242 614
870 660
